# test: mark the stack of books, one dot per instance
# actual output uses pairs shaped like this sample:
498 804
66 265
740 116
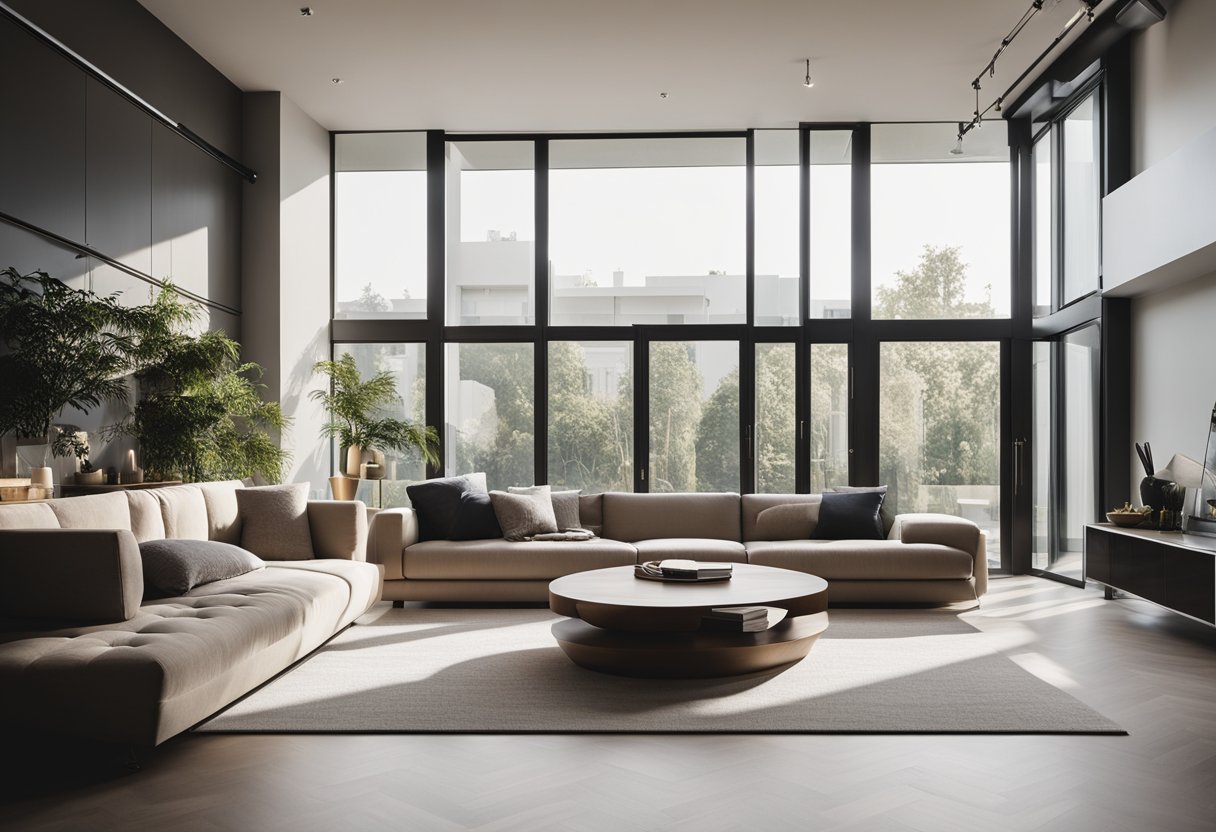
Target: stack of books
682 570
742 619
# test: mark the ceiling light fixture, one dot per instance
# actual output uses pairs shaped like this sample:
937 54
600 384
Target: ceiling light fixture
306 11
662 95
807 82
335 80
957 150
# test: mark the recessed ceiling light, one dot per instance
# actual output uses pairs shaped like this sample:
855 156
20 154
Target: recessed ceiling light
306 11
662 95
335 80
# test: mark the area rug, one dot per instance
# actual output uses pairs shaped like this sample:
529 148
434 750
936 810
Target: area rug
500 671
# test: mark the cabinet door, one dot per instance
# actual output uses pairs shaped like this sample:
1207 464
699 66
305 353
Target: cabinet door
1138 567
1097 554
1189 586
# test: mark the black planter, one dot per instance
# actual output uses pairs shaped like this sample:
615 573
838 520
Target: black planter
1162 496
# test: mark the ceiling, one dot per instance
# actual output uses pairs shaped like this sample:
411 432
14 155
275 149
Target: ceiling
566 65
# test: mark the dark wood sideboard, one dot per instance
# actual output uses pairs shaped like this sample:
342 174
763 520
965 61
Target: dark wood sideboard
1172 569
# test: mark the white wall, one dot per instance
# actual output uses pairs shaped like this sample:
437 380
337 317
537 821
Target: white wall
1173 102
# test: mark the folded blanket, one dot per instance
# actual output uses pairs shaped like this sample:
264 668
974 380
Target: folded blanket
568 534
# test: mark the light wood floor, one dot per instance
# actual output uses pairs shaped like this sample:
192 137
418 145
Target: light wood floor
1150 671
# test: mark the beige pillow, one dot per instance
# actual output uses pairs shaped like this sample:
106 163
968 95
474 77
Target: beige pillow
565 504
524 515
147 523
274 521
789 521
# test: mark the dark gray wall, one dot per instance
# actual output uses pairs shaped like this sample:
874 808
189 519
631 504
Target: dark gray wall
81 161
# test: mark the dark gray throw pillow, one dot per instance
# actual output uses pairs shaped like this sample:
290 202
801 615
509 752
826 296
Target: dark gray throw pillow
437 502
174 567
849 516
475 518
885 513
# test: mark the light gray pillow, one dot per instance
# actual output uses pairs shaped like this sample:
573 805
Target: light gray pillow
274 521
524 515
788 521
565 504
174 567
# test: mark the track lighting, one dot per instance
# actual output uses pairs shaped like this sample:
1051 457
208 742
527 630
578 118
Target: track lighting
807 82
957 150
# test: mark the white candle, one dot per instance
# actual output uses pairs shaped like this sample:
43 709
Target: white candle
40 477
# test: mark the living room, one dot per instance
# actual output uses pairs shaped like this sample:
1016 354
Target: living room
425 345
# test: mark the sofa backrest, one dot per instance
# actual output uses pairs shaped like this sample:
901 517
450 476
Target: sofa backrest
753 504
632 517
27 516
591 512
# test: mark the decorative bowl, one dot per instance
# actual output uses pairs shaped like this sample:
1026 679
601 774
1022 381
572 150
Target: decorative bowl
1128 519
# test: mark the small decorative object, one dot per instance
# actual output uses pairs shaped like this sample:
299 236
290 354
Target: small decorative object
354 459
1152 487
1203 520
75 443
41 477
14 489
134 474
94 476
371 471
343 488
1128 515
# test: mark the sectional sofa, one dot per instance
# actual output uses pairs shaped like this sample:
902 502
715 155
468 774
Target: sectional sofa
926 558
82 652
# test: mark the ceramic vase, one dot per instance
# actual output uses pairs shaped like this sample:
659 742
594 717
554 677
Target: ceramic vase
354 458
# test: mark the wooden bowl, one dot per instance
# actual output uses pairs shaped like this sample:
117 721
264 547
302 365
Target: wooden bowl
1127 519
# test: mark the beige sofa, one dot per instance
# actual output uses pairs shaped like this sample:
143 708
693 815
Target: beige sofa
926 558
82 653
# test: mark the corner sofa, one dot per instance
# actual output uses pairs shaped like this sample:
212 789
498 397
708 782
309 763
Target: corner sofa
926 558
81 651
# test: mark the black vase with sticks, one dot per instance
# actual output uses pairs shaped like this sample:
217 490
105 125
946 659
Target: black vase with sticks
1159 494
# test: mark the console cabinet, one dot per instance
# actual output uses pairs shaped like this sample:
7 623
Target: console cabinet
1174 570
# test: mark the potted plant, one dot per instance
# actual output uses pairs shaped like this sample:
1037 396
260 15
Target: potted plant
69 443
358 415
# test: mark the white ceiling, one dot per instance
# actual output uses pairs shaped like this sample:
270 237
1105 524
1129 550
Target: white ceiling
556 65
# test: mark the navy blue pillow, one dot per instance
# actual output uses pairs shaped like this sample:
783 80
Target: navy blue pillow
850 516
437 502
475 518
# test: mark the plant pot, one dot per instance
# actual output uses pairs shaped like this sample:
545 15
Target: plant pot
90 477
343 488
354 458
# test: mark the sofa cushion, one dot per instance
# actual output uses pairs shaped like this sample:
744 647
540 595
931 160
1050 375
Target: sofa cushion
884 513
274 521
938 528
71 575
184 511
850 516
28 516
751 505
437 501
632 517
95 511
174 567
524 514
475 518
863 560
505 560
223 514
789 521
692 548
565 505
147 522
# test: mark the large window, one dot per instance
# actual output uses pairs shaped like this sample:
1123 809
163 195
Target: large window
1082 200
647 231
380 225
694 416
830 186
777 239
490 412
774 446
829 428
1044 221
591 415
939 430
940 222
491 220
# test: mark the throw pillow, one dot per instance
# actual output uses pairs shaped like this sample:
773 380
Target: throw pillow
524 515
849 516
788 521
475 518
274 521
437 501
174 567
565 505
888 518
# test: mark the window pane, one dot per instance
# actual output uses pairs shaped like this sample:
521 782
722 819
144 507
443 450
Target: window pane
1082 198
591 415
940 222
1078 487
775 447
829 416
489 399
694 416
939 433
647 231
1041 449
831 223
777 245
491 233
1043 250
380 225
406 363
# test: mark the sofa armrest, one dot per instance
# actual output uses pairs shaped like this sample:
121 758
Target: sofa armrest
392 530
84 575
339 529
947 530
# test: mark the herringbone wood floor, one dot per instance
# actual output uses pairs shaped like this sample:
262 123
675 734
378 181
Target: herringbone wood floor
1151 671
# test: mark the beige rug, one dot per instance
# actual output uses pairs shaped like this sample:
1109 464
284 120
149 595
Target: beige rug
499 670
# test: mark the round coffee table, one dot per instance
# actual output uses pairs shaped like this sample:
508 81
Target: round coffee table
617 623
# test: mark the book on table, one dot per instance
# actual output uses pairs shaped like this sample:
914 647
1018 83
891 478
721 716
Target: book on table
682 568
742 619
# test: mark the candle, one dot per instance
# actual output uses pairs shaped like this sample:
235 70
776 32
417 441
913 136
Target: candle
40 477
134 474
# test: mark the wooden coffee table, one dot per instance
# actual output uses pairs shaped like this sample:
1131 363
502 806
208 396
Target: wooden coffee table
620 624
